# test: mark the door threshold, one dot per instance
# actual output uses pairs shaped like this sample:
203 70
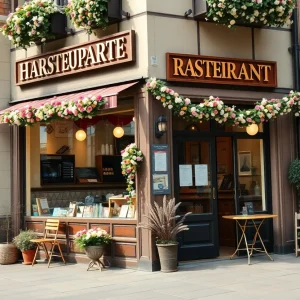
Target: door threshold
219 258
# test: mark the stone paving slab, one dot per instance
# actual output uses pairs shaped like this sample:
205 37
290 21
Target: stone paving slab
208 280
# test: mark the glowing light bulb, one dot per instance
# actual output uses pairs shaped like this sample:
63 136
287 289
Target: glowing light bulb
80 135
252 129
118 132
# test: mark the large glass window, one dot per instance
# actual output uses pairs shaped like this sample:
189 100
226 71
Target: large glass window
68 162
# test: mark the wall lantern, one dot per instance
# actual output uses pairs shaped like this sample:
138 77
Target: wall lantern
118 132
252 129
80 135
188 12
160 126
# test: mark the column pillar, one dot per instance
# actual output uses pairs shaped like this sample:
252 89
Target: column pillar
18 177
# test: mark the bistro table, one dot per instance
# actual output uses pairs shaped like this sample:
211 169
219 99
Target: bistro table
243 222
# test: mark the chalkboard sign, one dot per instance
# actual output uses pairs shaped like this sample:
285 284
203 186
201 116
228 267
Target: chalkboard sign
250 208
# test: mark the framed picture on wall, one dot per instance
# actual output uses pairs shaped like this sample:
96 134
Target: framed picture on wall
62 129
244 163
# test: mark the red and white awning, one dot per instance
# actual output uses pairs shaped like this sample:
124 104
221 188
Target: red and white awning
110 93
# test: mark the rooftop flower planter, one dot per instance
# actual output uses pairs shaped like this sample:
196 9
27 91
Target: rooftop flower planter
252 13
90 15
31 23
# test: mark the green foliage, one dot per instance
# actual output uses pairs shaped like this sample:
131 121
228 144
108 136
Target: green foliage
162 221
22 240
294 174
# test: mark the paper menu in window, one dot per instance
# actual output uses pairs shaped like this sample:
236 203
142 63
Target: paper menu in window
201 175
185 175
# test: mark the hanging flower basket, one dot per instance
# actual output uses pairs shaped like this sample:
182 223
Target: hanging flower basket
254 13
30 23
91 15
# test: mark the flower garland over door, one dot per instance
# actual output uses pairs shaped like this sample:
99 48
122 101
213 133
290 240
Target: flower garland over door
215 109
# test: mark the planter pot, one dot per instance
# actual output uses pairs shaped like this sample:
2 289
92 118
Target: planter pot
28 256
8 254
58 24
94 253
168 257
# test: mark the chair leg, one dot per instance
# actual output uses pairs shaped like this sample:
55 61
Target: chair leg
36 252
51 252
46 251
61 255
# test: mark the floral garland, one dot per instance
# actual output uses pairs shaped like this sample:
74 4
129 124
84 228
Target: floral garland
131 156
30 23
215 109
271 13
88 14
84 107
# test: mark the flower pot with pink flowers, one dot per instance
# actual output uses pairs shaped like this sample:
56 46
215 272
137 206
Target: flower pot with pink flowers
93 242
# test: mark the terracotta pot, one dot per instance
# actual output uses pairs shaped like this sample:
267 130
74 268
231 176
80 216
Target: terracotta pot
8 254
28 256
168 257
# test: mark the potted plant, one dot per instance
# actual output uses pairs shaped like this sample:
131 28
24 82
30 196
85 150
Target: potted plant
294 174
30 23
162 223
8 251
23 242
269 13
93 242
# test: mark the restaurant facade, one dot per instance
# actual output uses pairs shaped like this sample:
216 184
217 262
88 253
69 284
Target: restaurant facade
213 169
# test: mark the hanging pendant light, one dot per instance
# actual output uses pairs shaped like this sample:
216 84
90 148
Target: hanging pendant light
118 132
252 129
80 135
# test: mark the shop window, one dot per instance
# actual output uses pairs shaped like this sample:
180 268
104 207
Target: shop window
251 179
68 162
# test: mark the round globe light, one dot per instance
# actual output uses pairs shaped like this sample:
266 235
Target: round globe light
118 132
252 129
80 135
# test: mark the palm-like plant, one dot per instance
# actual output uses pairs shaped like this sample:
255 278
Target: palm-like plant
162 221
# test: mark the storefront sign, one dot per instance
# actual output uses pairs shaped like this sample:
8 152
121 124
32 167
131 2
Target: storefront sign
221 70
111 50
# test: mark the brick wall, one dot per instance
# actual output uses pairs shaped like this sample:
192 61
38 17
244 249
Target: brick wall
5 7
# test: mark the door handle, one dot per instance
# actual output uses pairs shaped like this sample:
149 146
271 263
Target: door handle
214 193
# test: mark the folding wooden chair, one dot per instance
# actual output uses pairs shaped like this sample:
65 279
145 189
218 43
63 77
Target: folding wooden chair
51 227
297 229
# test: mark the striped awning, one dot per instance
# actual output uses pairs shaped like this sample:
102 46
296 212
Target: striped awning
110 93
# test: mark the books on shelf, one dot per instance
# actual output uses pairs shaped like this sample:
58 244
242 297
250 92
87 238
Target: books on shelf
72 209
123 211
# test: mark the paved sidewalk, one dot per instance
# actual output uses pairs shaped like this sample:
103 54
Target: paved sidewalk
217 280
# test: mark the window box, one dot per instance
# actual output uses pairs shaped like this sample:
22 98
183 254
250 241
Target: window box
58 24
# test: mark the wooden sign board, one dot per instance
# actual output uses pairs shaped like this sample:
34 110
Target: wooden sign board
221 70
111 50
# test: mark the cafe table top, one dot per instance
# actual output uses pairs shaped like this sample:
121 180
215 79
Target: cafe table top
250 217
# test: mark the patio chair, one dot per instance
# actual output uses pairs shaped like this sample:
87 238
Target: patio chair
51 229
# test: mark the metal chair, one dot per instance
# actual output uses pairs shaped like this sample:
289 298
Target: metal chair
51 228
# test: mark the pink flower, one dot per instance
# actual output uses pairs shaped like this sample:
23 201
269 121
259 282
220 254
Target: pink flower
148 84
138 158
128 171
215 103
28 13
216 112
187 101
99 98
194 113
249 120
182 113
233 116
89 109
257 107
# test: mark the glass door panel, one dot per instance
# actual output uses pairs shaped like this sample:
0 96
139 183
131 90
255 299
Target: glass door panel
194 178
251 180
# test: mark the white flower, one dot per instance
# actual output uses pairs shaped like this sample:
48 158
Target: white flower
163 89
193 109
40 19
158 97
170 106
178 100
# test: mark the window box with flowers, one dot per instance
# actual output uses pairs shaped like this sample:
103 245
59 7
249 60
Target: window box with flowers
31 23
255 13
90 15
